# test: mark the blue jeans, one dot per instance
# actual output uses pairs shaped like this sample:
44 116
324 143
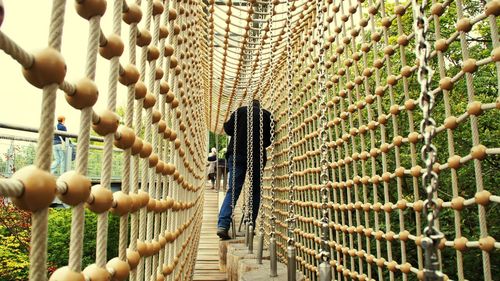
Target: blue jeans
239 173
59 159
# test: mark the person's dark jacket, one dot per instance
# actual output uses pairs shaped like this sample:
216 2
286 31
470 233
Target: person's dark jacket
57 138
241 134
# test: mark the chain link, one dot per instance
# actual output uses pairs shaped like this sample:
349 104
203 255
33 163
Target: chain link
323 120
271 148
291 196
428 129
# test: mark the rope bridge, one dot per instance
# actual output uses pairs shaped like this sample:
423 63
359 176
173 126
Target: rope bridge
345 194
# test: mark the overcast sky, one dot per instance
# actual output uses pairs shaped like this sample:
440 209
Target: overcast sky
27 23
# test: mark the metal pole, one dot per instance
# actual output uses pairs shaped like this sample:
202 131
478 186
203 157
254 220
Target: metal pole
273 257
250 238
292 270
260 247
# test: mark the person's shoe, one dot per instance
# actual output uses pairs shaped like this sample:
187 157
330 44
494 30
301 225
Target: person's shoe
223 233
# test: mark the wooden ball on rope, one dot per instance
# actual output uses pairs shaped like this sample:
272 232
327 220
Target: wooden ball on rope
101 199
120 268
124 138
129 76
65 273
143 38
78 188
140 90
137 146
107 123
146 150
113 47
122 203
133 14
133 258
96 273
149 101
39 188
48 68
85 94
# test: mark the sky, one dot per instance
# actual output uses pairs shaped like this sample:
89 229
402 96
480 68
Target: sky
27 23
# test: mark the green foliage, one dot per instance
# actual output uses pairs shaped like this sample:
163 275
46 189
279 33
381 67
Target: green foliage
59 236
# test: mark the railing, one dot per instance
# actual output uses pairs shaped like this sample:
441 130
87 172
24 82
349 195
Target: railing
17 151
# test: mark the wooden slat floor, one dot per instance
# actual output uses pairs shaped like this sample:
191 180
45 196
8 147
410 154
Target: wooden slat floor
207 262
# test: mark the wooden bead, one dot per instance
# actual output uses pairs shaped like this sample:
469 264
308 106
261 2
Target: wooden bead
169 168
160 167
478 152
78 188
164 87
90 8
158 73
173 136
163 32
64 274
149 101
174 103
446 84
482 197
129 76
107 124
137 146
153 160
133 258
146 150
48 68
122 202
142 248
441 45
126 138
495 54
487 243
133 14
492 8
143 38
172 14
156 116
457 203
405 268
151 204
460 244
469 66
95 273
464 25
454 161
120 268
140 90
157 8
153 53
39 188
113 47
162 126
85 94
101 199
474 108
169 50
451 122
169 97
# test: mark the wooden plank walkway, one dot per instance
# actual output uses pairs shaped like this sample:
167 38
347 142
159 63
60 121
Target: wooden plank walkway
207 262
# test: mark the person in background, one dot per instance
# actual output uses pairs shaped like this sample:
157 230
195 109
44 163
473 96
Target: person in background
212 166
58 147
237 161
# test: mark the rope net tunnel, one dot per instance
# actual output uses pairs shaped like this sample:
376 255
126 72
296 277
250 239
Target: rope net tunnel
348 83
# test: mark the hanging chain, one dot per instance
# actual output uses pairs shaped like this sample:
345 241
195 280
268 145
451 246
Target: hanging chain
261 123
233 178
325 251
271 148
428 130
291 196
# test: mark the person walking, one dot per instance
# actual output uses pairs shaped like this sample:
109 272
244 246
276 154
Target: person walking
212 166
237 161
58 147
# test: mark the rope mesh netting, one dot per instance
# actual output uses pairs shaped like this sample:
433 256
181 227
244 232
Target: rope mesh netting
344 179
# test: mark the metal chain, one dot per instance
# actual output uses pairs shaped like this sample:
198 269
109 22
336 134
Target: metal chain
291 196
261 127
323 120
428 130
233 179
